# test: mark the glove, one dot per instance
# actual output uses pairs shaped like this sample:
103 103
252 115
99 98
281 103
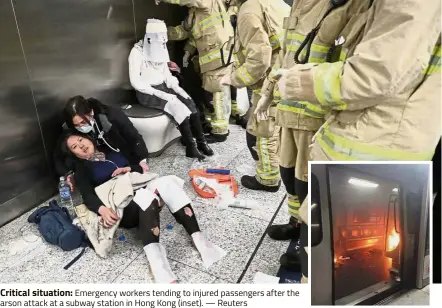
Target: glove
282 74
173 67
186 59
157 2
262 108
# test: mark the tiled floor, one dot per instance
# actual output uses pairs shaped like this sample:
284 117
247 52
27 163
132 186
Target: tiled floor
413 298
24 257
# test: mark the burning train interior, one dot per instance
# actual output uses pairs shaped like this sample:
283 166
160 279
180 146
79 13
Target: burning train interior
378 231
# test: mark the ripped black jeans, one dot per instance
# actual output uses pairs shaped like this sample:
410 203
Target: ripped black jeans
148 222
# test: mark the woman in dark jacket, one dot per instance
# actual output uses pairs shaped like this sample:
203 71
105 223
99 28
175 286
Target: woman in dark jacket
108 126
95 165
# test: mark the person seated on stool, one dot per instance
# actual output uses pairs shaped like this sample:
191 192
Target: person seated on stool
157 88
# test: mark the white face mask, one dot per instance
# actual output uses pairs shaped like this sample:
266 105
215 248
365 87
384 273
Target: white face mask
85 129
154 47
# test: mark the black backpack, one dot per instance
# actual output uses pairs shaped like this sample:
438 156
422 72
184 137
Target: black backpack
55 225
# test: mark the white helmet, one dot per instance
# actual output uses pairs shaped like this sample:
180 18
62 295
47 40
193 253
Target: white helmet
155 40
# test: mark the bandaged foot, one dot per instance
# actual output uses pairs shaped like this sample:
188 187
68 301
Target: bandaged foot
210 253
159 264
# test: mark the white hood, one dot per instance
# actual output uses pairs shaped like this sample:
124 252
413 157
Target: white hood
155 40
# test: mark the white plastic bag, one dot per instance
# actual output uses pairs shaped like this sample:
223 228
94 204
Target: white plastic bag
242 100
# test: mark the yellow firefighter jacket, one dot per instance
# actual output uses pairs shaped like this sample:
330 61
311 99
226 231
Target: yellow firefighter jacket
384 86
258 42
305 16
208 24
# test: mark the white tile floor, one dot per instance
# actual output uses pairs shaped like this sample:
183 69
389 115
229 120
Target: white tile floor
24 257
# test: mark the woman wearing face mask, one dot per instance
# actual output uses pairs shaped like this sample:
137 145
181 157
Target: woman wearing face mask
96 165
108 126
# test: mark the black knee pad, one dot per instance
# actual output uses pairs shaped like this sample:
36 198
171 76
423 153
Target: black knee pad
288 178
251 142
186 217
301 189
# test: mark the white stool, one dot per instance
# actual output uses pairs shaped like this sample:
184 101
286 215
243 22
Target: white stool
157 129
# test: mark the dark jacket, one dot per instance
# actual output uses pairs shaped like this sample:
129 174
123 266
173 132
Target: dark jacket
84 181
119 133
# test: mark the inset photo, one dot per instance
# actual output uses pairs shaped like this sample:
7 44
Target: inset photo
370 239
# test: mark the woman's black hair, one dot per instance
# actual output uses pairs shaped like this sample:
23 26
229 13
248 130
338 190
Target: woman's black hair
80 106
64 145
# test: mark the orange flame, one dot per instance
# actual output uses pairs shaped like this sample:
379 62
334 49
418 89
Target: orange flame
393 240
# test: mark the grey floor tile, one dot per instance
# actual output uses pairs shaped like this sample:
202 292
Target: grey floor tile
412 298
267 202
426 289
45 265
138 272
235 233
269 267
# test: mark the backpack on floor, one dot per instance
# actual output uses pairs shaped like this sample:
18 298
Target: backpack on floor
55 226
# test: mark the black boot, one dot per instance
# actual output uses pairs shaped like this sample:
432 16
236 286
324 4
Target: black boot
215 138
252 183
197 131
292 261
241 121
186 135
286 232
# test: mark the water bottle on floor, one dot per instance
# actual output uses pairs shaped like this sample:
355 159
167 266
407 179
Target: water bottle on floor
65 192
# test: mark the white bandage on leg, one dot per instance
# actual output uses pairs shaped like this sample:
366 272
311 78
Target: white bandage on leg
144 197
177 110
171 191
159 264
210 253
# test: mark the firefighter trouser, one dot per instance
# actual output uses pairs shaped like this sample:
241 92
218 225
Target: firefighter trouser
265 153
294 157
221 101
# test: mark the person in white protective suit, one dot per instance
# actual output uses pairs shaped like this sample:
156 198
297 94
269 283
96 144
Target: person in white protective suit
157 88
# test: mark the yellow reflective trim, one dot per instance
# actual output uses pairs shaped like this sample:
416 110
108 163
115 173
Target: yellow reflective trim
264 151
343 149
245 77
213 20
300 38
343 54
327 85
304 108
192 43
434 66
209 57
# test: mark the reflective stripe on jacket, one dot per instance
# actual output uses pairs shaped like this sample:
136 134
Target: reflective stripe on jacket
259 35
304 17
384 87
211 30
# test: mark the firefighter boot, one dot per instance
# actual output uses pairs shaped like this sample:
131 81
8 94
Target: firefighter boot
285 232
252 183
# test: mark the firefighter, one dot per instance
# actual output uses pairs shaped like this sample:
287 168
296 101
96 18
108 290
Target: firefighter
259 29
314 32
238 111
209 26
383 91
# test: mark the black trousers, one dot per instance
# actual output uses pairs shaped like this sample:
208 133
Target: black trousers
148 222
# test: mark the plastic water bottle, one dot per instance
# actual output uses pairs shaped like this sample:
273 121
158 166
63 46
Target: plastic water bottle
65 192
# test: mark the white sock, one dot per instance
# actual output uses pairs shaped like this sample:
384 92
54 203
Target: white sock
210 253
159 264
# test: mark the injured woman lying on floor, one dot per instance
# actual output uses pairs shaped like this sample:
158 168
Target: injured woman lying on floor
116 193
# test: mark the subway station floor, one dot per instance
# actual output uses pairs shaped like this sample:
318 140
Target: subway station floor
26 258
413 297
